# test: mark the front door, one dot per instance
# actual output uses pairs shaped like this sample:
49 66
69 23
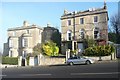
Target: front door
23 62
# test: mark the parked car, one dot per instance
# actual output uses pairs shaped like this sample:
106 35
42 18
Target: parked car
79 60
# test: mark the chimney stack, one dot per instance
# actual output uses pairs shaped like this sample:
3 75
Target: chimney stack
25 24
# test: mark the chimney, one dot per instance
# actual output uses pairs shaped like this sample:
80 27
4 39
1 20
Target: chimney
25 24
105 4
48 24
66 12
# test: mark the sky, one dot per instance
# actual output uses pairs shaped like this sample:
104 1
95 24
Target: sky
12 14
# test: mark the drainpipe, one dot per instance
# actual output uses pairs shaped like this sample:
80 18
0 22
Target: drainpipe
74 25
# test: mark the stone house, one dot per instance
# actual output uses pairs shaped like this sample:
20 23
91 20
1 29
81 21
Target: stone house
78 26
21 40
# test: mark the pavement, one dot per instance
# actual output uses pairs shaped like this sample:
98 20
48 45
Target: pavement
103 61
10 66
7 65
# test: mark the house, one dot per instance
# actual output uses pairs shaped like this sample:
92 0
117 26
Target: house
21 40
78 26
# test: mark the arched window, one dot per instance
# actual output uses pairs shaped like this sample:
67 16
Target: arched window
96 33
69 35
82 33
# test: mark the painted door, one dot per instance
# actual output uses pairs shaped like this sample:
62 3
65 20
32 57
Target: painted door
80 46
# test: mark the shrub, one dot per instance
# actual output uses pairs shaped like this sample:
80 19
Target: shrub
10 60
105 50
50 48
27 59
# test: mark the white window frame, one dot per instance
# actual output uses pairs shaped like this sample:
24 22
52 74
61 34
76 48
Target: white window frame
94 19
24 54
14 33
28 31
68 22
81 20
69 37
82 32
98 34
24 42
10 53
10 43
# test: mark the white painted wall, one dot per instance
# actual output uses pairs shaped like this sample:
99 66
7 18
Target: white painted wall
33 61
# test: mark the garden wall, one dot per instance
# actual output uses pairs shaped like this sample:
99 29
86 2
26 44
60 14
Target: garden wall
111 57
44 60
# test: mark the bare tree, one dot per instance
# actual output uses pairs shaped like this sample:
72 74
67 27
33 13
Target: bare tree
115 23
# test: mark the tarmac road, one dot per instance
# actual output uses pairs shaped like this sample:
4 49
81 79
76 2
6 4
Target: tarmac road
97 70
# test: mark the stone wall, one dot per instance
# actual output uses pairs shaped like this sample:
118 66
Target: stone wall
111 57
51 60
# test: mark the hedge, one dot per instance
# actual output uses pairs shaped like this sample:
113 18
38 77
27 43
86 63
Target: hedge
105 50
27 60
10 60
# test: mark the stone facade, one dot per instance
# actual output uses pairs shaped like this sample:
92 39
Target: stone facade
77 26
21 40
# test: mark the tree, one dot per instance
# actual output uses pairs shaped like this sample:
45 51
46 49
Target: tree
50 48
112 37
90 42
37 50
115 23
56 38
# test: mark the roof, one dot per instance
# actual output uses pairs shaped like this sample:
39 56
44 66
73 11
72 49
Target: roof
22 28
50 28
90 11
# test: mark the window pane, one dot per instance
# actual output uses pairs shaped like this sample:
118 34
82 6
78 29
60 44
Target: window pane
81 20
95 18
28 31
10 53
95 34
25 42
82 34
10 43
69 22
14 33
24 54
69 36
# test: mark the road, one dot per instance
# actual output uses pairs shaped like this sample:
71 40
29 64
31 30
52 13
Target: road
97 70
